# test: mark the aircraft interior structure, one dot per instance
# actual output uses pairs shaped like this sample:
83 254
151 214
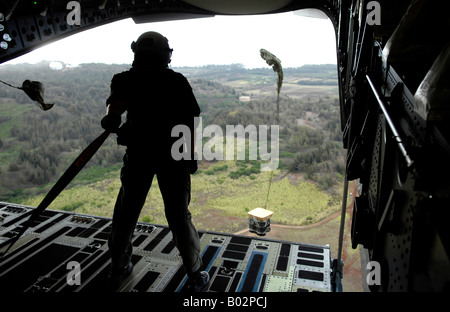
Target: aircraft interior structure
393 65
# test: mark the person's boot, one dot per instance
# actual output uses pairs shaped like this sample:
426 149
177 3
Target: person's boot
198 281
116 276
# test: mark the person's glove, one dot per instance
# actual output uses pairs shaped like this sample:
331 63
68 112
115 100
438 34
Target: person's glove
111 122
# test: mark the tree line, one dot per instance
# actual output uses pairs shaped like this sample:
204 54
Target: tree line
37 146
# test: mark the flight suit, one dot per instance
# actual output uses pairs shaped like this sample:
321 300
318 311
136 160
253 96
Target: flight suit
156 100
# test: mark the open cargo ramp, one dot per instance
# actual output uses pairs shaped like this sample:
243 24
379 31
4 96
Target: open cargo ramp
60 244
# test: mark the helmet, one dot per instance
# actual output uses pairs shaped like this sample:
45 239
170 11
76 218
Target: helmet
152 44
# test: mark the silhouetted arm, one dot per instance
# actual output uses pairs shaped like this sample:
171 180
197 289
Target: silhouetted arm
113 118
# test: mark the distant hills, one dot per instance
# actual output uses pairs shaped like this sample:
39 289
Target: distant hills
37 146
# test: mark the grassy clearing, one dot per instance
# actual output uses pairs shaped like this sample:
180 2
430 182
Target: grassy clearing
96 198
297 203
292 204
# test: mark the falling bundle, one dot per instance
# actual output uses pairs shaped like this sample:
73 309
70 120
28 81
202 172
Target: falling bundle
273 61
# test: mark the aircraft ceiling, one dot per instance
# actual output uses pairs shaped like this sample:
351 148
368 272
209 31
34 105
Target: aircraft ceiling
240 6
28 24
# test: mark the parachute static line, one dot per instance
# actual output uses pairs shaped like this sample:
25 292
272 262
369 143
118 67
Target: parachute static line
273 61
59 186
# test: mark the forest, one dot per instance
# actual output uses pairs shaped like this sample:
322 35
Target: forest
37 146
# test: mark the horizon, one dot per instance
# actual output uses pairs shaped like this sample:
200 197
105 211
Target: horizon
129 64
293 38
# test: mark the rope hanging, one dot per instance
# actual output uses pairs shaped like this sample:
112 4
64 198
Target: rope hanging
273 61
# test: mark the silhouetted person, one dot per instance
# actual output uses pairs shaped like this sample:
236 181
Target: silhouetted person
156 99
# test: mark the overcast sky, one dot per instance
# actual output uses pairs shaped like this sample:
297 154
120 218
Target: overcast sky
296 40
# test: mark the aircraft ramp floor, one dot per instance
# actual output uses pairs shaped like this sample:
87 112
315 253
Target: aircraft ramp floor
60 244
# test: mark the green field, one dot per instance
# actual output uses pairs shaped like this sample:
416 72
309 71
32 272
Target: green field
293 203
